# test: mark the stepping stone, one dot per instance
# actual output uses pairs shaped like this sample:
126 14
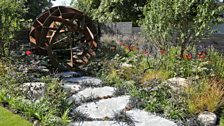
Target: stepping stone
105 108
101 92
97 123
143 118
84 81
71 87
68 74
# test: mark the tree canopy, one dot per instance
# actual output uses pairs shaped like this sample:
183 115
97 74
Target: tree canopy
112 10
179 22
10 20
35 7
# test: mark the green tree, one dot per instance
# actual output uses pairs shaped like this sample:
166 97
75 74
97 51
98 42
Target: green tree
112 10
35 7
179 22
10 22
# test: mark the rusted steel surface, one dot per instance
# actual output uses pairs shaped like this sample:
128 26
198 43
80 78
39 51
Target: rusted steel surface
66 34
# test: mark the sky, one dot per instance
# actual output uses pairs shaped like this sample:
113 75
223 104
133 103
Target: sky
61 2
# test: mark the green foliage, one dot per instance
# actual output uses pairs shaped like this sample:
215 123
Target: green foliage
179 22
154 74
217 62
188 66
35 8
9 119
10 21
50 110
112 10
159 98
221 122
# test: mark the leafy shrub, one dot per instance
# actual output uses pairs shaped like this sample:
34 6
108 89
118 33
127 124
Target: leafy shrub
208 95
221 122
217 62
188 66
159 98
10 22
2 68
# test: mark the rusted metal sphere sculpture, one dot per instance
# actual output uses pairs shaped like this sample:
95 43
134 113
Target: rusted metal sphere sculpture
66 35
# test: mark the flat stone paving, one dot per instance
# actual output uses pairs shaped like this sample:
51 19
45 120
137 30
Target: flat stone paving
105 108
97 123
98 92
68 74
143 118
84 81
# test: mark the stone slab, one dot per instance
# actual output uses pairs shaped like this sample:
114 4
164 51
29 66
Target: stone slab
84 81
143 118
71 87
68 74
91 92
96 123
105 108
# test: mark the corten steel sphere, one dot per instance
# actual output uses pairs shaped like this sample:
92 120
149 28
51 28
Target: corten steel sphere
66 35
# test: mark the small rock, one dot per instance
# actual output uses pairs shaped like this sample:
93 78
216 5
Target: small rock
105 108
126 65
34 90
143 118
177 83
207 118
100 92
42 67
84 81
97 123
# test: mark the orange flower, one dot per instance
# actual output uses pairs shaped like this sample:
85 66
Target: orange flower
187 56
201 55
162 51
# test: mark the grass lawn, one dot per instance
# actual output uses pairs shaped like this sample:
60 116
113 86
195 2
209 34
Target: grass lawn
7 118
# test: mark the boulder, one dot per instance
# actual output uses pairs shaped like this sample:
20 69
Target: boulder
177 83
34 90
207 118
